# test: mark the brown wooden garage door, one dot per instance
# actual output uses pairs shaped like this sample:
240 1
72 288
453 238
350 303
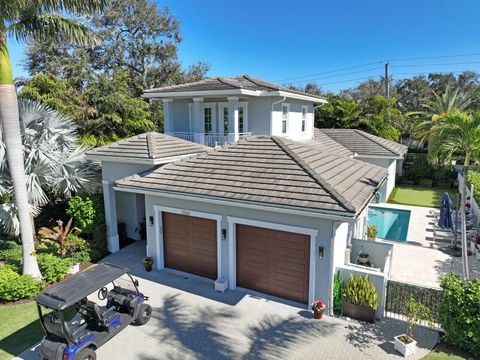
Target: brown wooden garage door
190 244
274 262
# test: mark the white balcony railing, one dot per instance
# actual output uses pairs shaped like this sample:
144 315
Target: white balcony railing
210 139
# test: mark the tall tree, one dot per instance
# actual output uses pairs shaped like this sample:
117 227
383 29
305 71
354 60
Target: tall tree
40 20
457 135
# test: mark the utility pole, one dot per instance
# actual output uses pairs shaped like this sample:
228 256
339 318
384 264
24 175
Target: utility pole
387 81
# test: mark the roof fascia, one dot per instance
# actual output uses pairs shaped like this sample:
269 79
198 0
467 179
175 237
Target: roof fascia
202 93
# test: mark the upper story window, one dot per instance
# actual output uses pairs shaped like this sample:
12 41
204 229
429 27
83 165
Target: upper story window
225 119
285 115
241 119
208 119
304 118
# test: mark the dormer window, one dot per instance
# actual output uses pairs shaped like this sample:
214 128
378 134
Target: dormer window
208 118
241 120
285 115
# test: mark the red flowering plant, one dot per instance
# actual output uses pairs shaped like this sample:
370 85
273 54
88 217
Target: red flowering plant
148 261
318 307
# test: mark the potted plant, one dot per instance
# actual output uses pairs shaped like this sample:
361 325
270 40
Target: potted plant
405 343
318 308
148 263
372 232
360 298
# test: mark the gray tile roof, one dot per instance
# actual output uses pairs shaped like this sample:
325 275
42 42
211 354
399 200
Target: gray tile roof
359 142
223 83
148 146
270 171
325 143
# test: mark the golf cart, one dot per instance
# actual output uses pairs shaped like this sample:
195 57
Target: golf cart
75 326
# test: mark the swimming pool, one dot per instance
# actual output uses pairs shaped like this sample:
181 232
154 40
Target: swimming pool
392 224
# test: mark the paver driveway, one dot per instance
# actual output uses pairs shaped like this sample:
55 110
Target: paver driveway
191 321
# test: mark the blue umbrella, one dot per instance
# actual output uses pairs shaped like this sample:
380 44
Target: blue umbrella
445 220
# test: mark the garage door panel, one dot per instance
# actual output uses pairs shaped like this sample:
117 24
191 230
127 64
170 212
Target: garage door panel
273 261
190 244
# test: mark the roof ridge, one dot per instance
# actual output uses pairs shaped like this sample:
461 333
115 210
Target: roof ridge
261 83
150 145
366 136
229 82
336 195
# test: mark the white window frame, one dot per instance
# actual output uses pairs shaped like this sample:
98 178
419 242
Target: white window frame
191 128
287 105
214 118
304 121
244 105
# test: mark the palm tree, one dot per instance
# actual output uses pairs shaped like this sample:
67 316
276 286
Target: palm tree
457 135
40 20
441 105
54 163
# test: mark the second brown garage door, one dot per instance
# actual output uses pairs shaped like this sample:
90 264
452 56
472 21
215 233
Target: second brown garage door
190 244
272 261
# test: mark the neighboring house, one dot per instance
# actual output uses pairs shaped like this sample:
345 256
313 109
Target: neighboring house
274 212
222 110
366 147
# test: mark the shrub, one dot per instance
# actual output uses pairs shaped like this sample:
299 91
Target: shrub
337 293
73 244
53 268
98 243
459 312
48 248
81 257
474 178
11 253
81 208
361 291
14 286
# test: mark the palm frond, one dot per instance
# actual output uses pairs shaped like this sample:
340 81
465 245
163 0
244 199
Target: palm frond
45 27
9 217
74 7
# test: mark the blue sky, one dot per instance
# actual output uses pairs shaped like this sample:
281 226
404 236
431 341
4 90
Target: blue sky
282 39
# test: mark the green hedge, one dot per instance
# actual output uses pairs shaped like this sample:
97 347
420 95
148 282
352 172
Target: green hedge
460 312
53 268
15 287
474 178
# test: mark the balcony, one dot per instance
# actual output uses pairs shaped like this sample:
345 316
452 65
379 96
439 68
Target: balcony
209 139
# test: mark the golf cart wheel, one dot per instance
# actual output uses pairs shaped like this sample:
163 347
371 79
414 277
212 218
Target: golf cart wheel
144 314
86 354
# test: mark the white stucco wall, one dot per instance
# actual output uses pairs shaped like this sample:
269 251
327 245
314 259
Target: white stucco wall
326 234
391 166
340 243
130 207
360 226
294 128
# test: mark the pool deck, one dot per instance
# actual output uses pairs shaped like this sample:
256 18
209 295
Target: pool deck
420 259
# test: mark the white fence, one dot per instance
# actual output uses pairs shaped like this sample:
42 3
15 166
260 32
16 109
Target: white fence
473 203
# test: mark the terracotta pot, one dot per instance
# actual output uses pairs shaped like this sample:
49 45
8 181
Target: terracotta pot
317 315
148 268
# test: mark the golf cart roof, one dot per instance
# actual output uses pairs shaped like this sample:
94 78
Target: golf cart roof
79 286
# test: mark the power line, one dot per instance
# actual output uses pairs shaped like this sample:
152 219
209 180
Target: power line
349 80
435 57
442 64
336 76
329 72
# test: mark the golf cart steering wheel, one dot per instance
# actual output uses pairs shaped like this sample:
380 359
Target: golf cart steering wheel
102 293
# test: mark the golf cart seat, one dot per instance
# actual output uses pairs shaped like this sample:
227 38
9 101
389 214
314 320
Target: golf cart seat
99 315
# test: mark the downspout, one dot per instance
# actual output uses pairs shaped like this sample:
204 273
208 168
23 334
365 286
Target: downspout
271 112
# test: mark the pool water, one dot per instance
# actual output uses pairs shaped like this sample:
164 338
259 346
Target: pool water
392 224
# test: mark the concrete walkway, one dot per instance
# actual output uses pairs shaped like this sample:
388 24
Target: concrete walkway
192 321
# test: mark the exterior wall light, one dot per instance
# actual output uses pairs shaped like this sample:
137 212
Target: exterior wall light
320 252
224 234
150 220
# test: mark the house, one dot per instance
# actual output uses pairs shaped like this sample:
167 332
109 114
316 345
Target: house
222 110
274 211
365 147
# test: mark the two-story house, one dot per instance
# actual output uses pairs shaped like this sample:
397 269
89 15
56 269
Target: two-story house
272 210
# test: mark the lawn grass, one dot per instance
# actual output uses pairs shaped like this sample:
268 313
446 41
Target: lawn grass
419 196
447 352
19 328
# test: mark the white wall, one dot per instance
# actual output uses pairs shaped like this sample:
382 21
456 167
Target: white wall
391 166
340 243
130 207
323 269
294 128
360 226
